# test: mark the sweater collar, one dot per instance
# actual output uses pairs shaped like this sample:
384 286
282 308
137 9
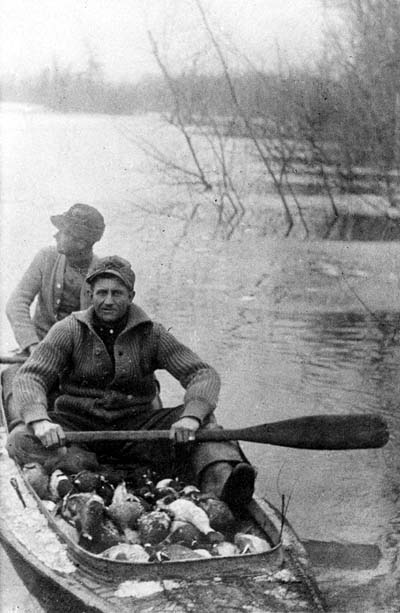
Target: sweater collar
62 260
136 316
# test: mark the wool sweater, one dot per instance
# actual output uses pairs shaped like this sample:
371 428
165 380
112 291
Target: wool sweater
44 278
73 351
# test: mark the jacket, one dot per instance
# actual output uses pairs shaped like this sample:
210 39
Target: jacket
45 279
73 348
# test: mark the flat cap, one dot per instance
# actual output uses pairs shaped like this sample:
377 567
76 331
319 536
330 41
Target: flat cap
115 266
82 220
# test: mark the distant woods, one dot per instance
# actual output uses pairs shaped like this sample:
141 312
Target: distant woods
335 122
65 90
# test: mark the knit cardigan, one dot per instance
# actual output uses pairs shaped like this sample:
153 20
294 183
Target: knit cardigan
44 278
73 351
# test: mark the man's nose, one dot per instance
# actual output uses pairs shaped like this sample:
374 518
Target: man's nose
109 298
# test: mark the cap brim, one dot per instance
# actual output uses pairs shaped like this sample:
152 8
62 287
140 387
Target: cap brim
98 273
58 221
76 228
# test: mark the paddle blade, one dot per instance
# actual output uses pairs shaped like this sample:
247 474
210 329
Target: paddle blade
315 432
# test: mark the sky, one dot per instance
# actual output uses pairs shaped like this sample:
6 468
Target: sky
35 33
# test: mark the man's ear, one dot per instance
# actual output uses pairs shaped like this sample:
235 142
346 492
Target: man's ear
132 294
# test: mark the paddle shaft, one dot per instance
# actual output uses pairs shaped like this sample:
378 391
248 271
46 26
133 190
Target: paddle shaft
325 432
12 359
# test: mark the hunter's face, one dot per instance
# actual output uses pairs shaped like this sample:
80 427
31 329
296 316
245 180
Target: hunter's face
69 245
110 298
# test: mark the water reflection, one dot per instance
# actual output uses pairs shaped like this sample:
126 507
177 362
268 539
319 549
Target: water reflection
351 359
333 363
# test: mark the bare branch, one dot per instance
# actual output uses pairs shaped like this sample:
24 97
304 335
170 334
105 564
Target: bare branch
182 126
243 116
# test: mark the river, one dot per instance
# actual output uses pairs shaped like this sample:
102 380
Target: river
294 328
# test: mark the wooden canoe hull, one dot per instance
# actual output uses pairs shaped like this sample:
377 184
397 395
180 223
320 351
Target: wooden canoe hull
279 580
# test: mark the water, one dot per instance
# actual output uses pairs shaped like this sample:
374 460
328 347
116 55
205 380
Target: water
294 328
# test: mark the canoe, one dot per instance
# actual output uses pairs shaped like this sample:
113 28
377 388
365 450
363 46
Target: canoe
280 579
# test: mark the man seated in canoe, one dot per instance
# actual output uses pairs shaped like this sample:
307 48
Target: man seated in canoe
106 357
56 277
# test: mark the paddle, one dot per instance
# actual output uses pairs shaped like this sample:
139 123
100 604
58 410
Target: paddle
13 359
313 432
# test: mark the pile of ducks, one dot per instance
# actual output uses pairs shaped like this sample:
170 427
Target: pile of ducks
137 518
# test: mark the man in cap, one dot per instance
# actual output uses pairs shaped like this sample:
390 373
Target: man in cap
107 355
56 277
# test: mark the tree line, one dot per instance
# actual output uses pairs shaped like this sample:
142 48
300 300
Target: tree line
336 120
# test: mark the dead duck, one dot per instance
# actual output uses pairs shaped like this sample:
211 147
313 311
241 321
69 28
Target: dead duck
175 551
86 481
164 489
142 482
86 511
67 528
106 536
250 543
113 474
185 534
220 516
163 483
127 553
203 553
225 548
146 495
106 490
154 526
60 485
191 492
38 478
171 551
125 508
187 511
142 476
132 536
73 504
167 487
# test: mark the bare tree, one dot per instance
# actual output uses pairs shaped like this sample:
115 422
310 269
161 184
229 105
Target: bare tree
207 168
337 122
363 61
